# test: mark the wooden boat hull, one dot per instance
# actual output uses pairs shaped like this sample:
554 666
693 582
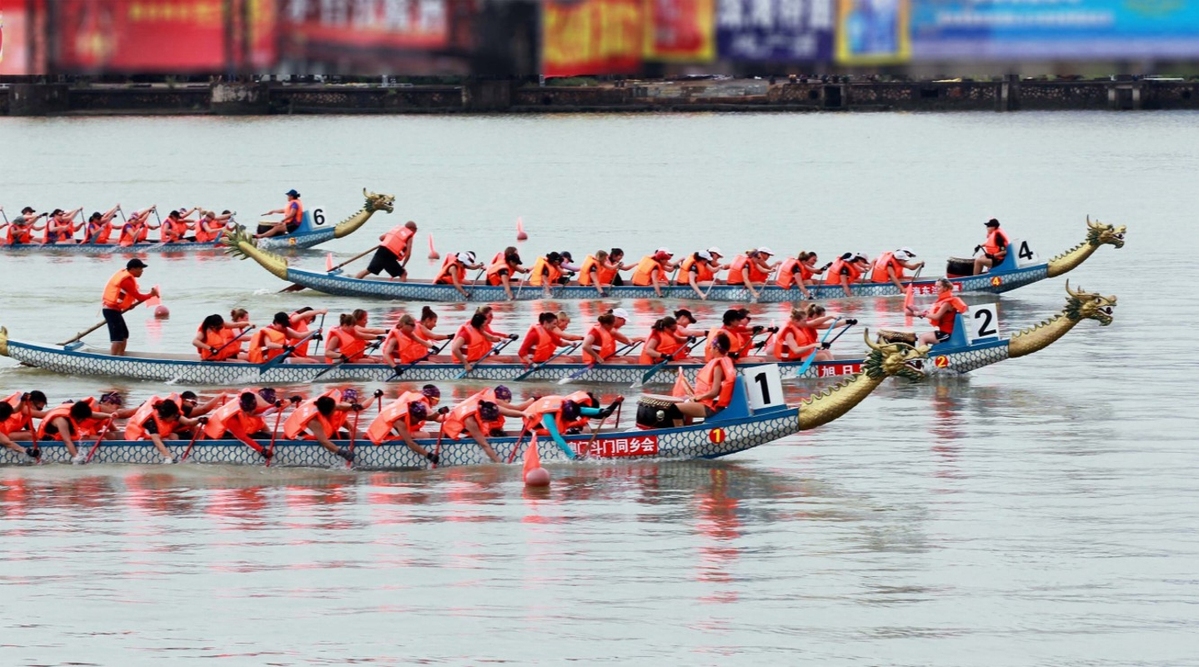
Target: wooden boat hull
342 285
942 360
711 440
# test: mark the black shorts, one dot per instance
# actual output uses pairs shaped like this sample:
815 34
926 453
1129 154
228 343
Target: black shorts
117 331
291 227
617 281
385 260
942 336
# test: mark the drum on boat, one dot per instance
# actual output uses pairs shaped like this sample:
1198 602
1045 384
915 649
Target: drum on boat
957 267
657 411
889 336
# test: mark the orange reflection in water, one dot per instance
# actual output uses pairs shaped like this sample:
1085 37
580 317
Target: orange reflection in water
718 522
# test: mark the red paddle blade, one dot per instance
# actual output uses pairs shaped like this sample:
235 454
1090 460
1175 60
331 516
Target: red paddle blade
154 300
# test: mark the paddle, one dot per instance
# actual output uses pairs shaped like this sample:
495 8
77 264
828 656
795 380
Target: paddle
691 344
437 448
400 370
353 433
296 288
81 334
274 433
582 371
811 357
320 327
234 340
497 348
195 434
910 296
537 367
272 363
370 348
516 447
520 286
103 432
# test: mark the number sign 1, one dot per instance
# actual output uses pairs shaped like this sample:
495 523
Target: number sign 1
318 215
1025 255
982 322
764 384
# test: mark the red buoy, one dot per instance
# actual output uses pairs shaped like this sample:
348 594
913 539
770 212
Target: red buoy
538 477
520 231
161 312
433 254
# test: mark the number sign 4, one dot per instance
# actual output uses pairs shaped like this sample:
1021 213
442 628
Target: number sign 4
1025 255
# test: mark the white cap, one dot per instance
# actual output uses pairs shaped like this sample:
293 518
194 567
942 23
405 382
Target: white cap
621 313
903 254
466 257
860 255
715 251
704 255
765 251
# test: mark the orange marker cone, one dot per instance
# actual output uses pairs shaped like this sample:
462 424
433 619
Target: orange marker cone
328 262
534 474
520 231
433 254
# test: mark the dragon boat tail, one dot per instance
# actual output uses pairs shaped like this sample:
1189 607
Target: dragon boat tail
1021 267
752 419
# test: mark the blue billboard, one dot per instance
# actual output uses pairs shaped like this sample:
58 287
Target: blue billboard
1053 29
775 30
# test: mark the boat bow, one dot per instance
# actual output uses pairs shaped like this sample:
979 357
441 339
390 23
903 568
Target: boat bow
884 360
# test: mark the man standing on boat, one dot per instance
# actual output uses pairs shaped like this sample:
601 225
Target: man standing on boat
292 214
121 294
395 248
994 249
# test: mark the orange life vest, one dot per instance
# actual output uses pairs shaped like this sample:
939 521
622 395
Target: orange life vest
173 230
477 346
350 345
63 411
408 348
589 263
230 413
396 241
258 352
703 271
833 277
98 232
606 274
380 429
295 212
703 383
135 428
787 273
553 405
455 420
551 273
735 268
646 269
449 267
205 234
944 324
297 422
116 298
669 345
994 237
879 273
20 417
605 341
217 340
738 343
546 344
60 231
804 335
493 271
300 326
133 232
20 233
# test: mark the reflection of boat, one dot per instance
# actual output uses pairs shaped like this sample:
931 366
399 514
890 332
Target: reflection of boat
1018 269
312 231
957 355
734 429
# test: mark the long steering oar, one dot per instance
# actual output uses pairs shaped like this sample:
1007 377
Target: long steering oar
79 336
336 269
537 367
494 350
691 344
812 357
400 370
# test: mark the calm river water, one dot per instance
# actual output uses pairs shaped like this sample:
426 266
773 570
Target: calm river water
1041 511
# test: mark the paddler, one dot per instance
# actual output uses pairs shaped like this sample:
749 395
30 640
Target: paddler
213 343
541 342
275 340
21 229
654 271
472 342
599 271
751 269
121 294
395 249
9 438
424 328
713 386
300 319
189 404
735 330
348 341
404 418
799 337
503 269
848 269
700 268
210 226
942 314
99 226
323 417
685 319
599 345
798 272
560 324
558 415
157 420
890 265
61 227
547 272
17 413
480 415
453 271
137 227
292 212
175 227
243 420
994 249
63 423
664 342
403 345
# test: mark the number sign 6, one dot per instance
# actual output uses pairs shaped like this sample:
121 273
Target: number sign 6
1025 255
318 216
982 322
764 384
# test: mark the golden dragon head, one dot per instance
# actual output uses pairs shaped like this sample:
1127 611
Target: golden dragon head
886 359
378 202
1099 233
1089 305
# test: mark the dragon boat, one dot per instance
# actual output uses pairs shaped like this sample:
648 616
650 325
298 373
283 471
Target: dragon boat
756 416
313 230
975 343
1020 267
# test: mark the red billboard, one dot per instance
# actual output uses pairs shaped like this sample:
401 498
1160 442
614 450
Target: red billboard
680 30
592 37
164 36
358 25
21 52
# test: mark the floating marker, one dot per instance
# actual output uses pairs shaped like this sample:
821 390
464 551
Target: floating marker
520 231
433 254
161 312
534 474
328 262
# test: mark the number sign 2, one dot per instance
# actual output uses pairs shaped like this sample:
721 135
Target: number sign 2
1025 255
764 385
982 322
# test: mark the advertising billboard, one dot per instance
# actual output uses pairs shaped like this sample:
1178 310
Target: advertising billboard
20 52
591 37
776 30
873 32
680 30
365 25
1059 29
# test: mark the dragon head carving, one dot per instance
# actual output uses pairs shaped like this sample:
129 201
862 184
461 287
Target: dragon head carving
899 359
1099 233
378 202
1089 305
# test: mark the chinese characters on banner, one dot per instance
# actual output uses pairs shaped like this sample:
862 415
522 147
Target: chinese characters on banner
776 30
161 35
679 30
612 448
591 37
366 24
